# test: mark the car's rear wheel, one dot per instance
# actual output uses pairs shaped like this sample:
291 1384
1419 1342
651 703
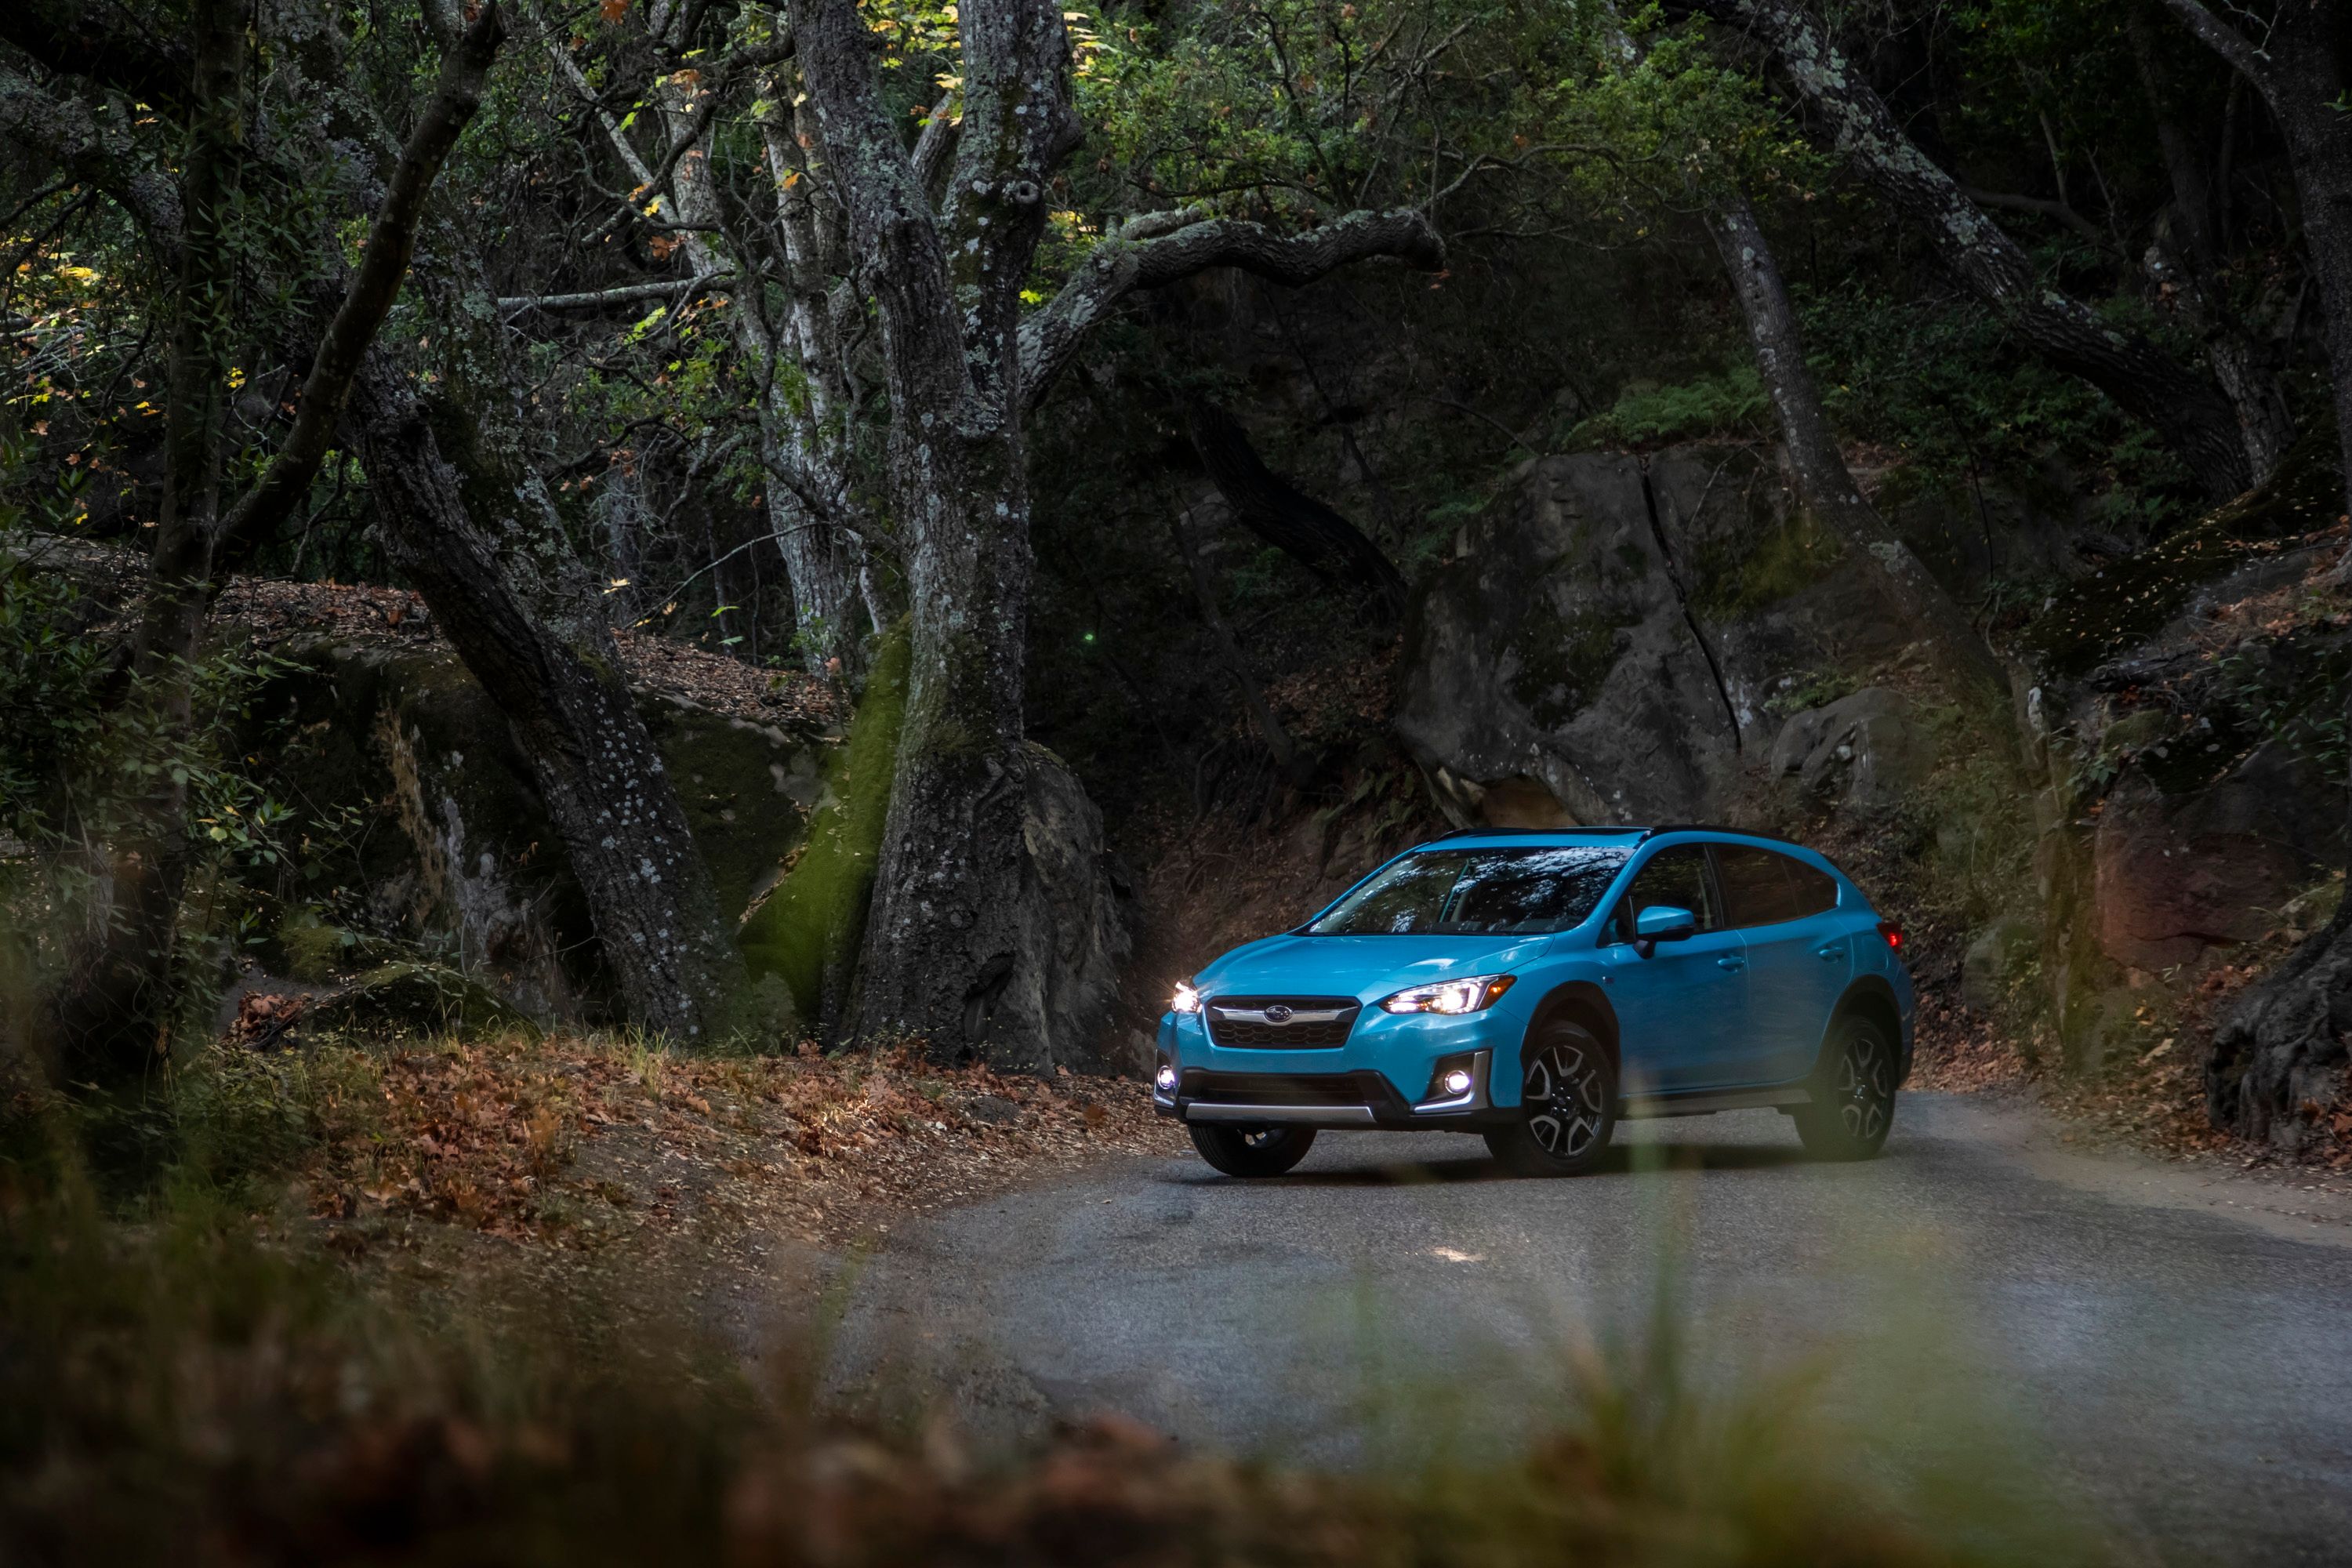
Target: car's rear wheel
1252 1151
1567 1105
1853 1093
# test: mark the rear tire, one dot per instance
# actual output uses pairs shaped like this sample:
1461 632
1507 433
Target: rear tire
1853 1093
1567 1105
1251 1151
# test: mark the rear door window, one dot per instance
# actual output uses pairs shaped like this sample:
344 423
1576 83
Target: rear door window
1761 888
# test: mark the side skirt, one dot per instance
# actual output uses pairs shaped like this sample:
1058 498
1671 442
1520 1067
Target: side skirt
1780 1097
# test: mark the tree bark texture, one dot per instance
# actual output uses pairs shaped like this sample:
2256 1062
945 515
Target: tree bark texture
110 1008
1824 484
2192 416
1285 516
649 894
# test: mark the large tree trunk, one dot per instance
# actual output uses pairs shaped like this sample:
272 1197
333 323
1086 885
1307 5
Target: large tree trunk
557 679
1825 487
2195 420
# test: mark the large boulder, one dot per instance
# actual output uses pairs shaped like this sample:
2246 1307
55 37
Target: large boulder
1862 753
422 826
2177 873
1601 643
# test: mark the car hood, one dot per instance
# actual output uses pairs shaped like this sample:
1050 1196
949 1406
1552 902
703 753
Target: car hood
1367 967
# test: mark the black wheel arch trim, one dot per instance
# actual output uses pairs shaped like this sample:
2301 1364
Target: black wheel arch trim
1870 995
1580 1001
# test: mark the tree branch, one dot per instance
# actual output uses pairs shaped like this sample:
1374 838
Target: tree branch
627 294
2223 39
390 242
2057 212
1125 263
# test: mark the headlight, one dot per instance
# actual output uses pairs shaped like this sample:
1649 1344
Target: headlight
1186 1000
1467 994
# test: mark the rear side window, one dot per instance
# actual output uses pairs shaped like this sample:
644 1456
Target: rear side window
1760 888
1675 877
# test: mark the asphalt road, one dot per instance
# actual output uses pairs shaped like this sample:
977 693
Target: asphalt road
2159 1356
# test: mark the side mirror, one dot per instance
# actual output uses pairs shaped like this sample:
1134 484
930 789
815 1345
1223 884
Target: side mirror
1662 922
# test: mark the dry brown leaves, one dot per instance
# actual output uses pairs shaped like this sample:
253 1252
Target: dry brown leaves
580 1140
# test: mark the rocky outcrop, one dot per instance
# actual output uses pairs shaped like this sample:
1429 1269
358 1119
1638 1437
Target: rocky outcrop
422 827
1862 753
1602 642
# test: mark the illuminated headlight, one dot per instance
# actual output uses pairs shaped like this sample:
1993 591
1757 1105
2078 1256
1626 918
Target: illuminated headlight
1165 1079
1186 1000
1467 994
1455 1082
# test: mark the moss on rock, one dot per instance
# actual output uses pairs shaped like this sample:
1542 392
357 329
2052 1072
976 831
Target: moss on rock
808 931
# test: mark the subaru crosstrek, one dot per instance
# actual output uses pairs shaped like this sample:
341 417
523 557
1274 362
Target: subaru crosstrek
1537 987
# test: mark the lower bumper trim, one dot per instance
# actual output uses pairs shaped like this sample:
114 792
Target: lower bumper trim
1314 1115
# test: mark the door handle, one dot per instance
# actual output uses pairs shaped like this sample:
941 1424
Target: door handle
1835 950
1729 962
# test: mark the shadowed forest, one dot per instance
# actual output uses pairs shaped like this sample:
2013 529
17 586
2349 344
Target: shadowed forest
638 640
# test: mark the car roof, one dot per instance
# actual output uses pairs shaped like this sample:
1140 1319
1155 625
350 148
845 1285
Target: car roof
1471 837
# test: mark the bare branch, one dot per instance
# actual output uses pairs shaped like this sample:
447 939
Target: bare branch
2223 40
72 38
627 294
2057 212
1122 265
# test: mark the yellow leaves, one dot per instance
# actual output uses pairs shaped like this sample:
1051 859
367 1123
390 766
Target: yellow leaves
78 274
235 378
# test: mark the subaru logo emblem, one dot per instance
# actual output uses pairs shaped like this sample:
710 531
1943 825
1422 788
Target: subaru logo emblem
1277 1013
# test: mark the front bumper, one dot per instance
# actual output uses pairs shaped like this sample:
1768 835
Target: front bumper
1384 1076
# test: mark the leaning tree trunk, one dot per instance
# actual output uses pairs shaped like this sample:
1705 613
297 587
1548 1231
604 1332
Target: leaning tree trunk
557 679
1825 486
2195 420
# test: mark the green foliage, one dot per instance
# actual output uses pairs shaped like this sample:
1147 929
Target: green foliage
1729 404
808 931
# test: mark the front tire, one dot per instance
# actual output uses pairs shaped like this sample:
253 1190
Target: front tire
1567 1105
1854 1094
1252 1151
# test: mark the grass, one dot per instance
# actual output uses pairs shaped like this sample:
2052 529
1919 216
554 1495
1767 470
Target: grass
193 1364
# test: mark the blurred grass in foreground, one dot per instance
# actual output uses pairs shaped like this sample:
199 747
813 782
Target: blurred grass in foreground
186 1374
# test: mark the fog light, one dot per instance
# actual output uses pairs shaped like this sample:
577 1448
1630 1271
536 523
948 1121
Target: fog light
1165 1082
1455 1082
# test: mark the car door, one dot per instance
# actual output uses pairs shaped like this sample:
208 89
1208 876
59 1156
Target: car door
1676 1007
1799 962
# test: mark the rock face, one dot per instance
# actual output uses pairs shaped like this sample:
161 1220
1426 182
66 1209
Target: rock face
2177 873
424 826
1862 752
1066 935
1600 647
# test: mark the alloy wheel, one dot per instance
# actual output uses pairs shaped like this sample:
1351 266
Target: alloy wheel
1865 1086
1565 1098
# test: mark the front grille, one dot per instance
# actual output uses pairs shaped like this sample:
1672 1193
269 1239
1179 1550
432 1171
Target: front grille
1362 1088
1307 1023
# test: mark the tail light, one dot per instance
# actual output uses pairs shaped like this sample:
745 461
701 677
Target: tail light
1893 933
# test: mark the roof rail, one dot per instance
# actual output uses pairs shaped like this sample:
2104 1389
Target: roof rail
1532 832
1649 833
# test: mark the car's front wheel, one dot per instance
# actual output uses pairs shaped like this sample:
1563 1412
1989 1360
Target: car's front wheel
1252 1151
1854 1094
1567 1105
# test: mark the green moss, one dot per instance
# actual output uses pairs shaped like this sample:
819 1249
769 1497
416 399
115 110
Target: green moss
1562 660
1647 413
808 931
1734 577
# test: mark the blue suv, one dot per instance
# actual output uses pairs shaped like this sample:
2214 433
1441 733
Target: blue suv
1538 986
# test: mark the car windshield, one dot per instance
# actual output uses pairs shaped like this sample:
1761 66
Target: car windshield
1477 892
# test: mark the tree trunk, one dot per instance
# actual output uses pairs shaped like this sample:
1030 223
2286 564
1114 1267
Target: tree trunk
1824 485
2194 419
649 892
110 1011
2191 263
